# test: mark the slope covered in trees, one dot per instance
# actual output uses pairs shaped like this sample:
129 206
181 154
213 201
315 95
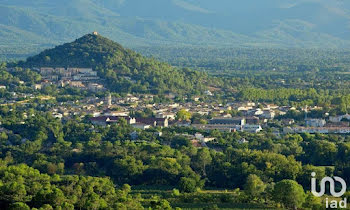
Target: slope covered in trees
123 70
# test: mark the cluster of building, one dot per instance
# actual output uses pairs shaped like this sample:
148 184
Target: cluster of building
140 123
253 118
85 78
111 110
334 125
244 124
230 117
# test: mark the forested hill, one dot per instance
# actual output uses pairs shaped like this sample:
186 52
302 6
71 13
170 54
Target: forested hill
123 70
87 51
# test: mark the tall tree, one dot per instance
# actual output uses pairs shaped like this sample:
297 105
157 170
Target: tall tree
289 193
254 186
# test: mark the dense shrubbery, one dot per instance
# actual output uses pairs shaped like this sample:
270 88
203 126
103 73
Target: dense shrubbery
22 187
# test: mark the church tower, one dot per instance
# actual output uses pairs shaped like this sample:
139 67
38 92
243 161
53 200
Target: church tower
109 100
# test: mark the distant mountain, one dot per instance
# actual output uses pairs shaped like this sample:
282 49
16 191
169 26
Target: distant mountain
122 70
268 23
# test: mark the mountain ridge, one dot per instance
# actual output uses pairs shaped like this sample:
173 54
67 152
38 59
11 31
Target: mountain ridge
252 23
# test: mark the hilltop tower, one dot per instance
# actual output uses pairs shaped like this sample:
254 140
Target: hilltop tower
95 33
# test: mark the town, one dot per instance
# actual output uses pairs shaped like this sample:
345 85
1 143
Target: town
142 113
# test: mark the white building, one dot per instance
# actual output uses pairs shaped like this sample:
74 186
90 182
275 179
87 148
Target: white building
170 116
201 138
250 128
315 122
323 130
339 118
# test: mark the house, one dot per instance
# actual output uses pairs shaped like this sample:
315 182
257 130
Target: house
268 114
288 121
167 115
335 119
66 74
258 112
250 128
182 124
201 138
52 77
46 71
175 105
323 130
154 122
244 108
337 124
95 87
96 113
271 106
315 122
228 121
286 108
203 112
251 104
226 115
339 118
252 120
282 113
57 115
78 74
219 127
132 99
77 84
116 113
37 86
87 71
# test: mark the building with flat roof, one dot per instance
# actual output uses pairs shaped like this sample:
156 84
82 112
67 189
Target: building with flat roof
228 121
